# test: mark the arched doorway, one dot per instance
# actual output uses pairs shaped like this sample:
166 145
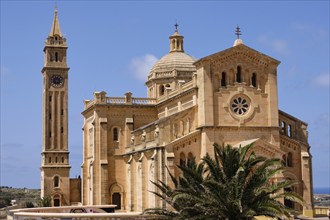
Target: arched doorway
116 199
56 201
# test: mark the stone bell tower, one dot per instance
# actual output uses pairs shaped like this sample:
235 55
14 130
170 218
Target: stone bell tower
55 167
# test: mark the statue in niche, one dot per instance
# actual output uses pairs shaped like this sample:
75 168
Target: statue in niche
156 131
144 134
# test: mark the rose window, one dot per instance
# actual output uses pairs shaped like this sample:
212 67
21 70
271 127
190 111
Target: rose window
240 105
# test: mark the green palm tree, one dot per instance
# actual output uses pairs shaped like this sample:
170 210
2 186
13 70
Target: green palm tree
233 184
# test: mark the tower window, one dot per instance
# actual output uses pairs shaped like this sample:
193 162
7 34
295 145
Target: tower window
49 159
162 90
50 134
62 159
50 98
55 159
62 111
56 56
239 75
50 115
223 79
115 134
56 181
62 130
254 80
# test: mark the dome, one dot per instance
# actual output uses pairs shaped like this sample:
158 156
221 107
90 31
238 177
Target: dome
179 61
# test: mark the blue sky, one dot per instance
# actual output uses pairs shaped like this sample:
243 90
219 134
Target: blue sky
113 44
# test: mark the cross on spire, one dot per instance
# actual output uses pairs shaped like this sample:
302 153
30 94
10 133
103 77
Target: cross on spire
176 26
238 32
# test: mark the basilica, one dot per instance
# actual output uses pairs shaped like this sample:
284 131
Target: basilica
230 97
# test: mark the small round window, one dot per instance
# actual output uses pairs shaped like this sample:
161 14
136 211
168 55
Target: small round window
240 105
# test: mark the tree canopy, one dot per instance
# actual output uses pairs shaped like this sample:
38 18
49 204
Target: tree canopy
233 184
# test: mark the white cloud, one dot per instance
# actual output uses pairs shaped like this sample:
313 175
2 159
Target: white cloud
322 80
280 46
141 66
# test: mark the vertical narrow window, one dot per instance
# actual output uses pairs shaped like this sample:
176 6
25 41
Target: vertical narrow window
289 160
55 159
62 130
49 159
56 181
182 159
115 134
239 74
289 130
223 79
62 111
56 56
162 90
50 115
62 159
50 134
190 157
283 127
50 98
254 80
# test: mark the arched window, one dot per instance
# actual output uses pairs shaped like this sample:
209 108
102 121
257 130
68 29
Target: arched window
190 157
283 127
56 56
182 159
223 79
239 74
162 90
254 80
115 134
290 130
56 181
289 160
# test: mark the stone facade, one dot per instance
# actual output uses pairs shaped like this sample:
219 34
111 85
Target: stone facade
229 97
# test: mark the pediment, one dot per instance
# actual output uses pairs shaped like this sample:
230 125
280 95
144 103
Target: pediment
239 53
262 148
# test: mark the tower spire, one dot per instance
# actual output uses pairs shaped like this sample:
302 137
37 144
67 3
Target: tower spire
56 30
176 40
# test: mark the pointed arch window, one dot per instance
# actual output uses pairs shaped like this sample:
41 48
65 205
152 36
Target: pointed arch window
239 74
56 181
254 80
223 79
115 134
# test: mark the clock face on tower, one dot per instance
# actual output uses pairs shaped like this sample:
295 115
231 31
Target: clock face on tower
56 81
